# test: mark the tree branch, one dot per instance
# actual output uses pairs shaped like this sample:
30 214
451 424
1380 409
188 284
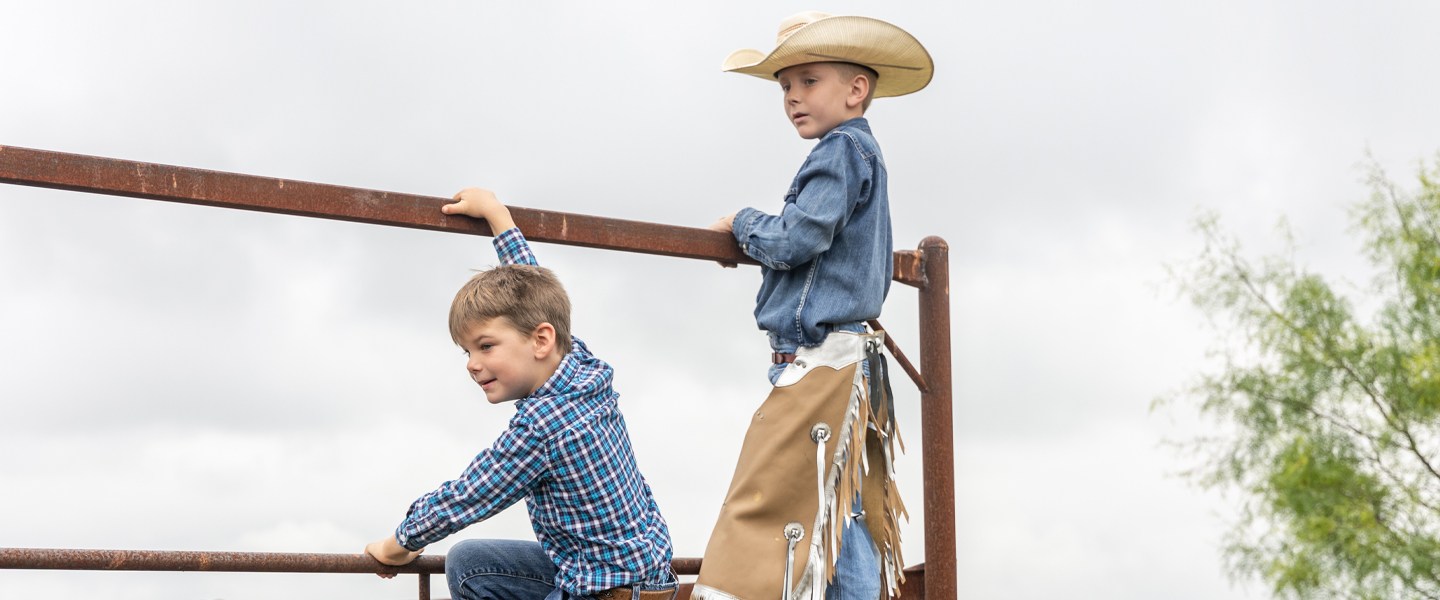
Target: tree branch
1333 359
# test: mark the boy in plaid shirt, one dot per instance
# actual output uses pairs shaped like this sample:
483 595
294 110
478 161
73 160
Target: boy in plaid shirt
566 451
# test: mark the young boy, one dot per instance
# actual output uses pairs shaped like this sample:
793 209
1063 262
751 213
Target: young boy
566 451
817 458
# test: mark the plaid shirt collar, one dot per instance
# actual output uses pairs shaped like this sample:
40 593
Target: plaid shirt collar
577 362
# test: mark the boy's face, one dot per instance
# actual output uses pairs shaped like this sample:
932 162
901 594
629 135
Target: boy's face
508 364
817 100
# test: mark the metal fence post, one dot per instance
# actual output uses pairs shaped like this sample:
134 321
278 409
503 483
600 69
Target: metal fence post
937 423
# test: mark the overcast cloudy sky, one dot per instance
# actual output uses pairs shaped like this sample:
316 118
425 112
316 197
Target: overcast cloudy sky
179 377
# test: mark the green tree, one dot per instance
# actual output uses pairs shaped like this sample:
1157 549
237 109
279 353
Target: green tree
1331 422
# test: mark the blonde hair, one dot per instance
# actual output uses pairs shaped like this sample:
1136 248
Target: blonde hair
525 295
848 71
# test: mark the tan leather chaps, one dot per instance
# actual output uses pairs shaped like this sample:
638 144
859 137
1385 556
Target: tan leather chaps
826 432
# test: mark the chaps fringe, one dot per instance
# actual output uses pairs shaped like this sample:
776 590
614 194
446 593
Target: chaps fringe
869 419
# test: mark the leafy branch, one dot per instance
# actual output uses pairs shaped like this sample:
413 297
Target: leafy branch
1332 421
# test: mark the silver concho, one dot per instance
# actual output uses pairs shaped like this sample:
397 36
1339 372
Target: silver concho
793 532
820 433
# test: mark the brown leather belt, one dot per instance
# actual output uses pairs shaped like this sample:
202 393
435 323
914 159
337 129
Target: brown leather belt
777 358
624 593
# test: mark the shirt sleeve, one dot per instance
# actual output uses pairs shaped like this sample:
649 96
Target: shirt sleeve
496 479
513 249
834 179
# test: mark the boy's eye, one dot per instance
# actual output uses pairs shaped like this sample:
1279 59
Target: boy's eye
485 347
811 81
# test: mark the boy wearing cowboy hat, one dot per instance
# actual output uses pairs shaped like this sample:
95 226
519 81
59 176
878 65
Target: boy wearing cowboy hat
817 458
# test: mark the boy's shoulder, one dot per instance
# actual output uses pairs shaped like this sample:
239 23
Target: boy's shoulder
854 134
856 126
579 392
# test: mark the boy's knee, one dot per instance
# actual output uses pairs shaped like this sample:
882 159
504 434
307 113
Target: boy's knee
474 556
473 548
499 570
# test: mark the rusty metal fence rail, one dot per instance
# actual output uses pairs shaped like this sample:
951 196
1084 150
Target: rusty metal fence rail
926 268
237 562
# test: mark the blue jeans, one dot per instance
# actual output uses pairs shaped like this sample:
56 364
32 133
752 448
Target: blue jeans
857 571
506 570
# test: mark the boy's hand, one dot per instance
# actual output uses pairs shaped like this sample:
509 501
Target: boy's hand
727 225
481 204
390 552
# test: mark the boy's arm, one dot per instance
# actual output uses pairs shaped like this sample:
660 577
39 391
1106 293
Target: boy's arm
499 476
831 184
482 204
496 479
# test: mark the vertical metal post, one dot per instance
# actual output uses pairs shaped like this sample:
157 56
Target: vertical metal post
937 423
424 586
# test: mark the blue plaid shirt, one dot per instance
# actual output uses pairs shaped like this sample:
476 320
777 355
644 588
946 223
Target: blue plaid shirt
568 455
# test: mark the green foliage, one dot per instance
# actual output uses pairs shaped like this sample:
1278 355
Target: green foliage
1332 424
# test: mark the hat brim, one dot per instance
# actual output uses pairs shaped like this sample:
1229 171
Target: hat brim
903 65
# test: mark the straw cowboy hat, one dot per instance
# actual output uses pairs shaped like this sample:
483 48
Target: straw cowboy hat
902 63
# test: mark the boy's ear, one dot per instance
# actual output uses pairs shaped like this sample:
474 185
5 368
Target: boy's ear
544 339
859 89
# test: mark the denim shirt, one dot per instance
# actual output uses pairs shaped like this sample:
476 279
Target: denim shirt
827 258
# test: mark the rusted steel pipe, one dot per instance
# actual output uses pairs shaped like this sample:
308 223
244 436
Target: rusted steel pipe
685 566
937 423
910 268
81 173
424 586
244 562
248 562
899 356
914 586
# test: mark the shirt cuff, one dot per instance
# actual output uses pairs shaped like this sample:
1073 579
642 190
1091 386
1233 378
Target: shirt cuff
741 225
507 238
405 540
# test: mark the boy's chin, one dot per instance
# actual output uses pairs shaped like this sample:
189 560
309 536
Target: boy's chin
807 133
498 399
